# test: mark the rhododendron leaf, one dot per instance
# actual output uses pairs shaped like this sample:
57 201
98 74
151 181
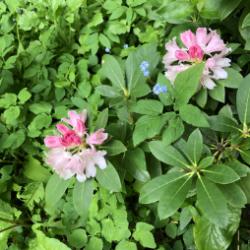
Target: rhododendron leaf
218 93
243 100
221 174
211 201
54 191
210 236
193 115
173 131
115 147
148 107
109 178
167 154
108 91
113 71
135 162
174 196
233 79
153 190
245 186
102 119
186 84
234 195
222 123
82 194
195 146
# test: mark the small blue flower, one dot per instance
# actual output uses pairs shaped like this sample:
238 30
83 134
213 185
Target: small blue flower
125 46
107 50
144 65
158 89
145 73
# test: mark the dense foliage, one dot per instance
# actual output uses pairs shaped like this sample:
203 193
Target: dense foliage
178 155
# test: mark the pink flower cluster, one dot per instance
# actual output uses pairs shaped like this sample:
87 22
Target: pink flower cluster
74 152
204 46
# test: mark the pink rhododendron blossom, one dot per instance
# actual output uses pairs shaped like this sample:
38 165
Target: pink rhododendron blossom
202 46
73 151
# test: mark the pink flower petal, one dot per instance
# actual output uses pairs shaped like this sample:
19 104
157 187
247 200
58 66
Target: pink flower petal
53 141
202 37
62 128
97 138
182 55
188 38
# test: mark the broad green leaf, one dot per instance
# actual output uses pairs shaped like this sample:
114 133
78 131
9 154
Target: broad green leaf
186 84
126 245
7 100
11 114
206 162
174 196
193 115
246 21
94 244
222 123
54 191
135 162
34 170
42 242
24 95
195 146
113 71
115 147
221 174
157 187
234 195
210 236
148 107
82 195
218 93
241 169
233 79
143 235
245 186
185 217
211 201
144 129
41 107
167 154
104 177
102 119
243 100
173 131
78 238
108 91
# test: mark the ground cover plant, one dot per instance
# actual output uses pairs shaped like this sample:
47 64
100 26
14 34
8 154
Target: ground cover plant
124 125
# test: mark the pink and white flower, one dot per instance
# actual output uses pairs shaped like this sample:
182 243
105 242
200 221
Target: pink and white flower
73 152
204 45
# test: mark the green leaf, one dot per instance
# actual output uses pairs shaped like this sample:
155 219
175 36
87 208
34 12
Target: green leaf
54 191
108 91
206 162
135 162
115 147
173 131
34 170
7 100
233 79
210 236
222 123
113 71
245 186
126 245
234 195
241 169
185 217
42 242
243 100
148 107
94 244
78 238
186 84
218 93
193 115
102 119
246 21
144 129
143 235
24 95
41 107
211 201
105 175
195 146
82 195
167 154
157 187
221 174
174 196
11 114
